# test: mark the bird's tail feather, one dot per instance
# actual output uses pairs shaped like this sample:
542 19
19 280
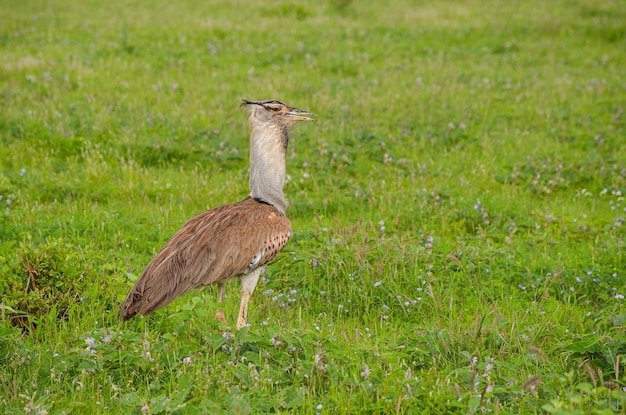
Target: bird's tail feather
145 298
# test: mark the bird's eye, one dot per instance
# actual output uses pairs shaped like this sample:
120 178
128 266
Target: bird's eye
273 109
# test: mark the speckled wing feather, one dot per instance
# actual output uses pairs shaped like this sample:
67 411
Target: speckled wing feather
214 246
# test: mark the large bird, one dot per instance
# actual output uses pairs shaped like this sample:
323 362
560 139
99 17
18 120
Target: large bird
228 241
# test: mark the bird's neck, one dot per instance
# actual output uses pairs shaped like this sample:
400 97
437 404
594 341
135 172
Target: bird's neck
268 150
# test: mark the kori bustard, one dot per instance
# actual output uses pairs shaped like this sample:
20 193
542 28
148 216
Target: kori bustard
228 241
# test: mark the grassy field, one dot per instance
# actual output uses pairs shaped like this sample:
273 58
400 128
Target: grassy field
458 209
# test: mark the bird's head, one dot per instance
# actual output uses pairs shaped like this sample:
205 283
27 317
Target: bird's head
275 112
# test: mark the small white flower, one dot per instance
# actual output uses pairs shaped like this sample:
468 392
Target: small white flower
619 296
378 283
319 363
78 383
188 360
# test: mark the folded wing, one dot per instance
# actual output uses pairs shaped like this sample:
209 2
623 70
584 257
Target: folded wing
214 246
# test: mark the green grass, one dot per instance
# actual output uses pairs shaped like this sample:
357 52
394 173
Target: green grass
458 210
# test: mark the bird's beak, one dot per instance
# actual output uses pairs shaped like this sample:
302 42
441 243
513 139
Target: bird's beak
301 115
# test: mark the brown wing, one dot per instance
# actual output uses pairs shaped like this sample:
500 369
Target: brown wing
214 246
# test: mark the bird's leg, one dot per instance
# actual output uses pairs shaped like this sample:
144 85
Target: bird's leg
248 283
220 291
219 314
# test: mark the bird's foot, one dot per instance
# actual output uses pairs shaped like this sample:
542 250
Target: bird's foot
219 316
241 323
